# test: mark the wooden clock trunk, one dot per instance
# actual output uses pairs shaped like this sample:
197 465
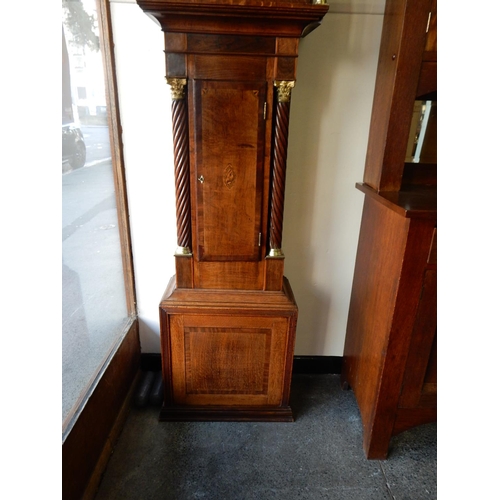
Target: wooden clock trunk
228 316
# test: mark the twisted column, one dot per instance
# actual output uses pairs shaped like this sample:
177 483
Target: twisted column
284 90
181 165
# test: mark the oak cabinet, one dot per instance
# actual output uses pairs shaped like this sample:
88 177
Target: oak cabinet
228 317
419 388
390 348
390 353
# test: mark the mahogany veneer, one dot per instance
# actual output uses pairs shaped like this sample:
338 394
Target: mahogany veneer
227 355
228 316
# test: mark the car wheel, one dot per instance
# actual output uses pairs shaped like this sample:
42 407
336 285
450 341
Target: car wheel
78 159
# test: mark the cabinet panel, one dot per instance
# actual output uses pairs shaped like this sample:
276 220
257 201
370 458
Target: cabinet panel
230 275
230 44
420 381
392 324
431 40
229 146
228 360
222 67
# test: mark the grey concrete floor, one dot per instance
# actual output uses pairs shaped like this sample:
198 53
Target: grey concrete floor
319 456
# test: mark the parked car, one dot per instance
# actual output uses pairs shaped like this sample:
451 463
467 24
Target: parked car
74 151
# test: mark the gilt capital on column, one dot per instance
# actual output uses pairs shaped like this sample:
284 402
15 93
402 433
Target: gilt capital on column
284 89
177 87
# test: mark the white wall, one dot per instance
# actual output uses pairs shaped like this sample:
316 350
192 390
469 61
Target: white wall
144 100
330 115
329 122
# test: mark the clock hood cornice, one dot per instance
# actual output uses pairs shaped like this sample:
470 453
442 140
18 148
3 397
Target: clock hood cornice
283 18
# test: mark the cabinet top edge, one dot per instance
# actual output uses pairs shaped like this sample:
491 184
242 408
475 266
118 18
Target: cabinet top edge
281 18
232 4
265 8
262 300
409 203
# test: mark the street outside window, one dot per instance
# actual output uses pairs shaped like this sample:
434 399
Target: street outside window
94 310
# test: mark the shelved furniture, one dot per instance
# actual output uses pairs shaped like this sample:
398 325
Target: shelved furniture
228 317
390 358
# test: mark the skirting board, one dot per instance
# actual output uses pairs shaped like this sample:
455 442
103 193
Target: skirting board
313 365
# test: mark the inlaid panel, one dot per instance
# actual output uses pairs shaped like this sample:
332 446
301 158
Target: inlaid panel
227 361
229 128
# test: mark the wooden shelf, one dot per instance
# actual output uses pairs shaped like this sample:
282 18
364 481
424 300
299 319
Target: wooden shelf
412 202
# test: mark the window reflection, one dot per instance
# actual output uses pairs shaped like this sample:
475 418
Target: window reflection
422 142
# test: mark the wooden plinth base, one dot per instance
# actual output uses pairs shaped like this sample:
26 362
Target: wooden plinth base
215 414
227 355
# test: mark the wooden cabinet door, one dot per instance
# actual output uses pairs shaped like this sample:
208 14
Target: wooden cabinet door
228 360
420 380
229 158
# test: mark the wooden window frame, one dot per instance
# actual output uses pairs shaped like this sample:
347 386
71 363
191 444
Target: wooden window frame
91 430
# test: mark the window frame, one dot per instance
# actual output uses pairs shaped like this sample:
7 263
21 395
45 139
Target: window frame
103 11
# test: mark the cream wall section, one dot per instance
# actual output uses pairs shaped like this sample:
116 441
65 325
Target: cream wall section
144 99
330 116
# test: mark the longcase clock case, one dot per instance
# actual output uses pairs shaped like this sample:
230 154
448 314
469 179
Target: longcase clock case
228 316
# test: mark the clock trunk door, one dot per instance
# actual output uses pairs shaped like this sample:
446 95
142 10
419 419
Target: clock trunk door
229 159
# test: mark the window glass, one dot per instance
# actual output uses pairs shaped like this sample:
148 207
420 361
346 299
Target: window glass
94 310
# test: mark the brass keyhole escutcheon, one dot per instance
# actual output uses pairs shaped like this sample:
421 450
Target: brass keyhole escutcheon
201 179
